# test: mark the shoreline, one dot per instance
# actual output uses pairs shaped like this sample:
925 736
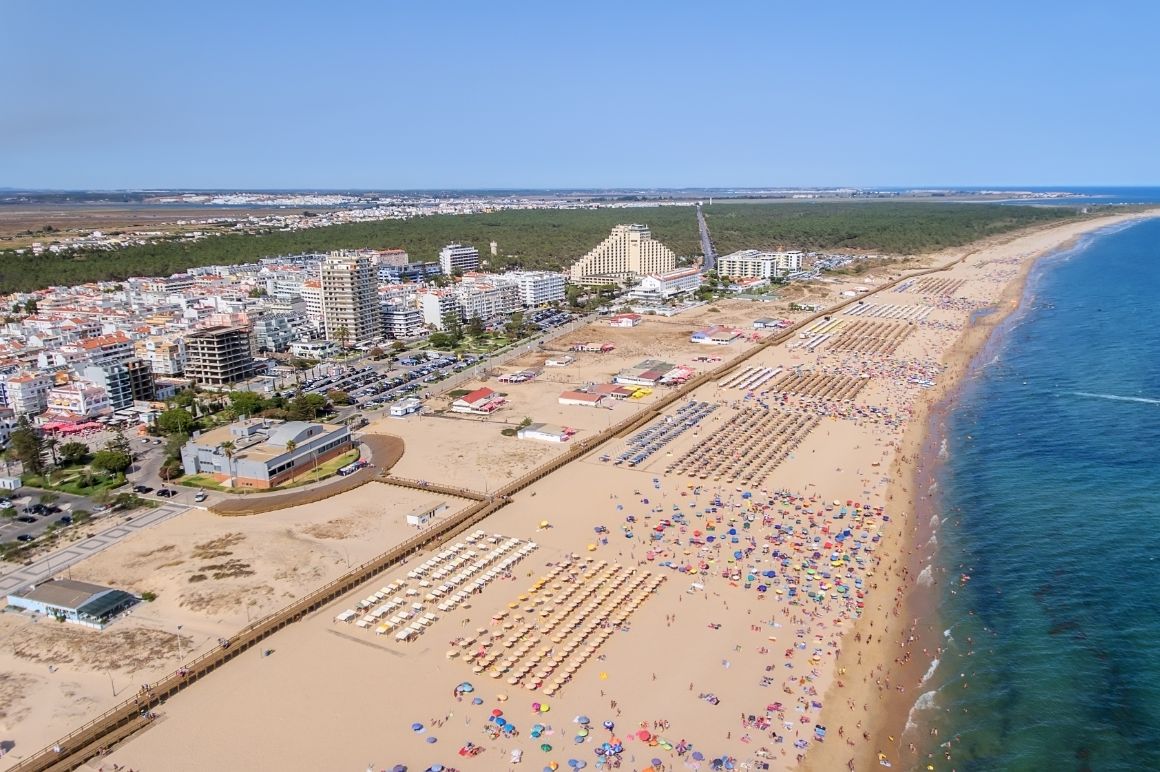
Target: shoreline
885 713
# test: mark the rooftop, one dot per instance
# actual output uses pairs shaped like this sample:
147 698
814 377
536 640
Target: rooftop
63 593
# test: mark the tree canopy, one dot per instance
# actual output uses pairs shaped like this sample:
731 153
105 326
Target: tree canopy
554 238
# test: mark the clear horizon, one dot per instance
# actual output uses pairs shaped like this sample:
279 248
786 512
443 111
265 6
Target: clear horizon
599 96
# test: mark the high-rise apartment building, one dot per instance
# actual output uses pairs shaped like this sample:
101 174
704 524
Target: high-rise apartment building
219 356
350 301
458 258
628 253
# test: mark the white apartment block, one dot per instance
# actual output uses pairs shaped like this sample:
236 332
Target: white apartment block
350 300
535 287
755 264
402 320
27 394
660 287
487 300
312 295
458 258
165 355
77 399
437 305
628 253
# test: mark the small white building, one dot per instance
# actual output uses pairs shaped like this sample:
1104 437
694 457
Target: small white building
546 433
624 320
562 360
406 407
78 602
314 349
421 517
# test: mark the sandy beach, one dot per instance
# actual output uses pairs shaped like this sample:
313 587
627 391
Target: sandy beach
745 593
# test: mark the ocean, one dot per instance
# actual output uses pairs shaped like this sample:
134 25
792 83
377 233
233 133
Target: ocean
1047 562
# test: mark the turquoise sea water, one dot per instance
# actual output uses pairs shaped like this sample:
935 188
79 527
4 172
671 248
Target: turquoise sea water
1049 500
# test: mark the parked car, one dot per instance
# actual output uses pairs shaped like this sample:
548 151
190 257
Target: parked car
25 537
200 496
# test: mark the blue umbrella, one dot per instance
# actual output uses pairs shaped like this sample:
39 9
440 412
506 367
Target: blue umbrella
416 727
476 701
431 739
582 719
698 756
465 687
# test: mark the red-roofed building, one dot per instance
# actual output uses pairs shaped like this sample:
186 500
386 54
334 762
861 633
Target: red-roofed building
624 320
580 398
479 402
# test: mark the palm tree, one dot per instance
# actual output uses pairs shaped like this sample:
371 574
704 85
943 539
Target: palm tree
51 442
227 448
342 333
290 446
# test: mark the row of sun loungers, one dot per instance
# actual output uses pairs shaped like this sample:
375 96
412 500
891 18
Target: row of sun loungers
889 311
462 569
561 627
651 439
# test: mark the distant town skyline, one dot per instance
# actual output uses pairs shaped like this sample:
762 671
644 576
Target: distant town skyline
527 96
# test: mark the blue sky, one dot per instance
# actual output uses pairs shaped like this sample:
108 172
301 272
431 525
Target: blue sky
387 94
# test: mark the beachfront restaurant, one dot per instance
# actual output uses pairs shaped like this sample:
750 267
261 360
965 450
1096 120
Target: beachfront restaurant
647 373
81 603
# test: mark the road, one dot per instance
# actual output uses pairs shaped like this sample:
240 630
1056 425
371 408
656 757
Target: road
121 527
710 263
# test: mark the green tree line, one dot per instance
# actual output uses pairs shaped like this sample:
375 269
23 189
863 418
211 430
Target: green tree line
553 238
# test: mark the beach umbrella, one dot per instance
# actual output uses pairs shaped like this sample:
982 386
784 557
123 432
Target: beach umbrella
431 739
497 712
609 725
582 720
545 747
465 687
698 756
416 727
656 762
398 768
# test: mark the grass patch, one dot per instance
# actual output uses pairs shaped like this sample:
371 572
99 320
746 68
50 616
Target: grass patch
322 471
74 481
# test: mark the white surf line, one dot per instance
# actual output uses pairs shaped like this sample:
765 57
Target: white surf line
1116 397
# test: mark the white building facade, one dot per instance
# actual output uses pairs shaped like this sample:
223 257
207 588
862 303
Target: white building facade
660 287
350 302
536 287
459 258
753 263
629 252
